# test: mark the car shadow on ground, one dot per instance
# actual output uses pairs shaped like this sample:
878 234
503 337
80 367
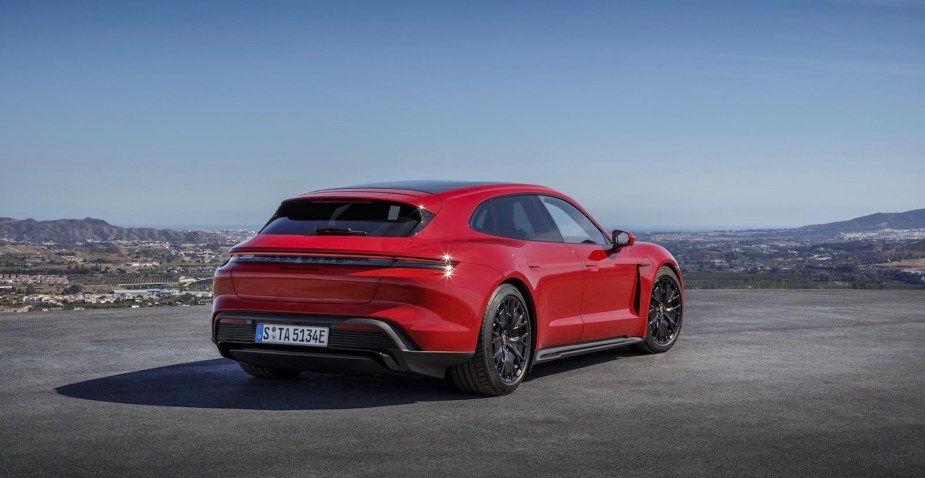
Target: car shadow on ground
221 384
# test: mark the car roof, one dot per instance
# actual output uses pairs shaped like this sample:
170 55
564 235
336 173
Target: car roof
429 194
424 186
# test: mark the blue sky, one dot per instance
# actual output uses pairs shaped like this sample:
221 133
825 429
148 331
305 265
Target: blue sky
667 114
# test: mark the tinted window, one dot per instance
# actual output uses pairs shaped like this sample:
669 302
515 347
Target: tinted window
574 226
347 217
518 217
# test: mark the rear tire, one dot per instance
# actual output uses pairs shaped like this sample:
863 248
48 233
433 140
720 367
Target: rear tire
504 349
663 324
271 373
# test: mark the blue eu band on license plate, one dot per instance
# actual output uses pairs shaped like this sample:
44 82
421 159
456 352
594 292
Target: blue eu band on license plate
292 335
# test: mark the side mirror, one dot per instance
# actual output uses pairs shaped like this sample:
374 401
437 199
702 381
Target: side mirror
622 239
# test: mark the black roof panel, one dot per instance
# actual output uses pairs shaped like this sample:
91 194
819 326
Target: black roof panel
425 186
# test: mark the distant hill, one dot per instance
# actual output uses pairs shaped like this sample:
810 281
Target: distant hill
899 220
89 229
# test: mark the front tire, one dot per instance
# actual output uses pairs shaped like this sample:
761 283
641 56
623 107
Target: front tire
271 373
504 348
665 314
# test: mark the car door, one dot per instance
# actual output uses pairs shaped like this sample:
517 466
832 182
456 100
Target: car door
609 276
547 263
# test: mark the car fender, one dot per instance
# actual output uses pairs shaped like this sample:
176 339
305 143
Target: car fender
652 258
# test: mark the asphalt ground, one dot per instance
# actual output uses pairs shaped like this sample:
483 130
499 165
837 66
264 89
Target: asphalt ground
763 383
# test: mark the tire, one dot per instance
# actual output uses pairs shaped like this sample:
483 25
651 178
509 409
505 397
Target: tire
504 349
271 373
666 312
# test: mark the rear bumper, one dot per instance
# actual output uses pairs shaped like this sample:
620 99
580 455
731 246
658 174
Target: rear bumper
356 345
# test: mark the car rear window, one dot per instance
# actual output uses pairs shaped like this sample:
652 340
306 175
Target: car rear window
347 217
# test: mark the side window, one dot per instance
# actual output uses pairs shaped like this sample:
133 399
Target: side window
521 221
517 217
574 226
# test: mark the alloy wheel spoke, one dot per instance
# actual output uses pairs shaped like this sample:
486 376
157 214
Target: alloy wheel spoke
521 322
510 339
516 353
664 311
670 321
509 309
521 339
498 352
672 296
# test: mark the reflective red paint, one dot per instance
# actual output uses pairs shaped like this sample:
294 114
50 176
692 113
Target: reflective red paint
429 292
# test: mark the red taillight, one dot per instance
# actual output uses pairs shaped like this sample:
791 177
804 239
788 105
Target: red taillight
221 284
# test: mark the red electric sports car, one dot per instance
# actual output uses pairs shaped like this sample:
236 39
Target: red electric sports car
472 281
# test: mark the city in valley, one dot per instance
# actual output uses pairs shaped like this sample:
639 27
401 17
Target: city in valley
145 273
106 274
784 259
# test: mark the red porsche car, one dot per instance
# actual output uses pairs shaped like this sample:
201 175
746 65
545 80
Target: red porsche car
473 281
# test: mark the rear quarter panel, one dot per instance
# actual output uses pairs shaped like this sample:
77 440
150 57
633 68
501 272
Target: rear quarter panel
502 255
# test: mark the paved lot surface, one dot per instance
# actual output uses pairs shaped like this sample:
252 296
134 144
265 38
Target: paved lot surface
812 383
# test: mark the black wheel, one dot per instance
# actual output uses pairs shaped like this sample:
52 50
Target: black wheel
264 372
504 348
665 314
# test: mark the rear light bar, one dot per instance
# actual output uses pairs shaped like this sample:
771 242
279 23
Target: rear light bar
444 264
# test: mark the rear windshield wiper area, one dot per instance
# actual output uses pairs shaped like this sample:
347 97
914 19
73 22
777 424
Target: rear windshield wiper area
347 217
337 231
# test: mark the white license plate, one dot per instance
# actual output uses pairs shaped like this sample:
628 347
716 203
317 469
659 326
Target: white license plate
292 335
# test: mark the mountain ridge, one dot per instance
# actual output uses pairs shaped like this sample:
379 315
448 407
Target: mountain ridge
914 219
93 229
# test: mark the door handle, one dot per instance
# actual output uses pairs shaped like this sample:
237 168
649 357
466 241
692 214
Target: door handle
591 266
534 264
